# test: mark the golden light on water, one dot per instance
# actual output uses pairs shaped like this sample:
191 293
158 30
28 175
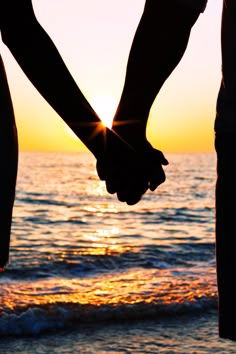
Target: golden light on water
132 287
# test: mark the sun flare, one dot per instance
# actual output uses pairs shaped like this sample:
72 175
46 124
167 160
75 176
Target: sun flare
105 107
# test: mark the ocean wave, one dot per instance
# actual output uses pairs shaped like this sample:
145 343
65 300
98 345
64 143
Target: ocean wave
80 263
186 215
41 200
47 318
46 221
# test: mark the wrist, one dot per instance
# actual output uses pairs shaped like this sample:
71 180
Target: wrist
133 131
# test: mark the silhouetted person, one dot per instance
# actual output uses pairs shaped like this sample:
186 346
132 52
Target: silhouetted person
41 62
158 46
8 165
39 59
225 143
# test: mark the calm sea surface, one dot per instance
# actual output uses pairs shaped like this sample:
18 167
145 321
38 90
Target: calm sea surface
89 274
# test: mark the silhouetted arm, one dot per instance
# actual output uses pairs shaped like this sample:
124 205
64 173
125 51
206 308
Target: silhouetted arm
40 60
159 44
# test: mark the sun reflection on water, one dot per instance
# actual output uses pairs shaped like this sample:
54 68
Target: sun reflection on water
133 287
74 244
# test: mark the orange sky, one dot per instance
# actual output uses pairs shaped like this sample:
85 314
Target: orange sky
94 38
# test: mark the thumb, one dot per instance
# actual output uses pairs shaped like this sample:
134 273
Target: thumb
158 155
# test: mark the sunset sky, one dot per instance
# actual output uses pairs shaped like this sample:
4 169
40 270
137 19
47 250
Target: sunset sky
94 38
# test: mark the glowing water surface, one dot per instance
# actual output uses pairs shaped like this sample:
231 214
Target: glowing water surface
77 254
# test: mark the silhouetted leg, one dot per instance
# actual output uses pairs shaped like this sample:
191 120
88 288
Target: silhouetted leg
226 233
8 165
225 127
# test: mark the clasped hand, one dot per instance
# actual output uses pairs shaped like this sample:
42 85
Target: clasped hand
130 172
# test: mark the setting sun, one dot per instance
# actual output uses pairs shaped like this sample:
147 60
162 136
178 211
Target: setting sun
95 48
105 106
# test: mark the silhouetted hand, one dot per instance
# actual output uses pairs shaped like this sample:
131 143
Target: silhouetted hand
130 173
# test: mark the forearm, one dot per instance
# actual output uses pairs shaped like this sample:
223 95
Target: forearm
43 65
158 46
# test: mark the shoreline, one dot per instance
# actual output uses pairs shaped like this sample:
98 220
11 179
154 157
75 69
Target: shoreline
184 334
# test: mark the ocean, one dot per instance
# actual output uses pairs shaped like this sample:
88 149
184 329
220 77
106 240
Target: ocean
89 274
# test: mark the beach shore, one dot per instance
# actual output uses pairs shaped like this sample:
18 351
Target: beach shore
182 335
